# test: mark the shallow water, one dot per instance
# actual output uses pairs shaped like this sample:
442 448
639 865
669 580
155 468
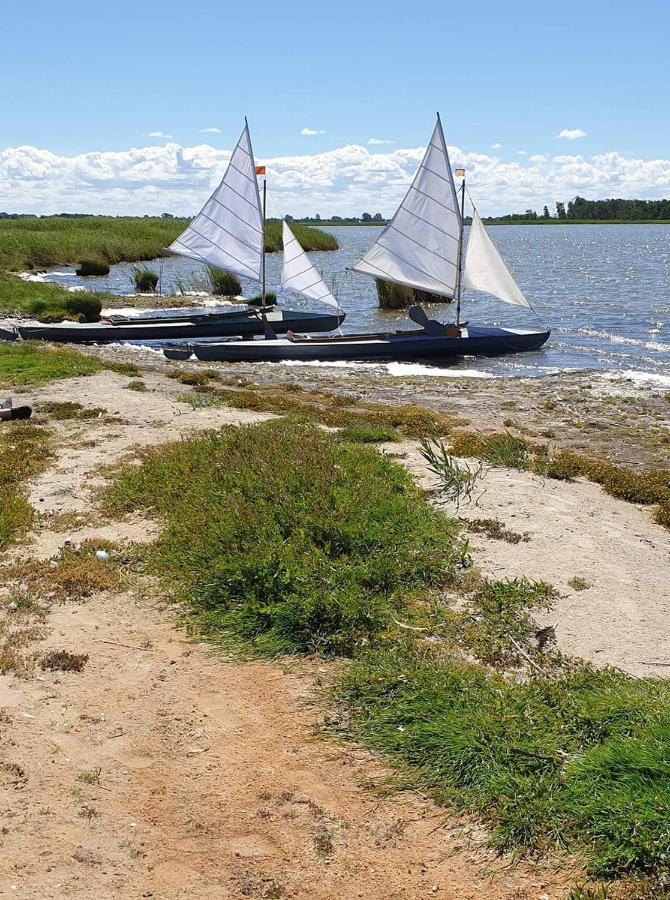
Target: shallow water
603 289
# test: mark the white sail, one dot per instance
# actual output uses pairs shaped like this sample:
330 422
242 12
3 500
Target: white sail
419 246
298 273
484 269
228 231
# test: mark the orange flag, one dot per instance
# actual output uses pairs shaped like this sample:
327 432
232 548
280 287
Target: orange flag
260 170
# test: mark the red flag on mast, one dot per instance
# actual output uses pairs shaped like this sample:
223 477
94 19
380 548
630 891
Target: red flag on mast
260 170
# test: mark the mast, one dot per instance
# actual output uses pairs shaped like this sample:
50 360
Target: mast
265 195
459 272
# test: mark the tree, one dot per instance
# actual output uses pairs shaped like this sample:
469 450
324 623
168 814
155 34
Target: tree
366 217
377 217
317 218
545 212
560 210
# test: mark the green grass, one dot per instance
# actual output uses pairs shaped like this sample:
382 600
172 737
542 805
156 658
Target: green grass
320 542
48 302
368 433
24 451
53 241
30 363
578 762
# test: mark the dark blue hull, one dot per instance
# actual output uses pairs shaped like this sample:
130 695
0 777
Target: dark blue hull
404 346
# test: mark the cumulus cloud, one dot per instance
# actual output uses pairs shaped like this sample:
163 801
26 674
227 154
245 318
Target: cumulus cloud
372 141
572 134
158 134
345 181
210 131
496 146
308 132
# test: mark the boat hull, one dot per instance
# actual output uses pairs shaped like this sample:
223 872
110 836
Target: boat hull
403 347
244 325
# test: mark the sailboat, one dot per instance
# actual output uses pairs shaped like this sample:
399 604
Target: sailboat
421 247
229 233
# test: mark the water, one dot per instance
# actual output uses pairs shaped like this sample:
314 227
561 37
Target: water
603 289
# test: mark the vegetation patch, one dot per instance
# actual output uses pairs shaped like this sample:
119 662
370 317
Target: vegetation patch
496 530
576 762
137 386
145 280
75 573
577 583
49 302
319 545
25 450
398 296
63 661
63 410
32 364
368 433
329 409
222 283
88 267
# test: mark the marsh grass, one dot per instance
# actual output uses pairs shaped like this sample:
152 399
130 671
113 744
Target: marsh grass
49 302
223 283
319 543
65 410
52 240
32 364
496 530
368 433
145 281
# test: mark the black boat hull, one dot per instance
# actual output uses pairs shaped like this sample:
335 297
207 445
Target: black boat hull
244 325
405 347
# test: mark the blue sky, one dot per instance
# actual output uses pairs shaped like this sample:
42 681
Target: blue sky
89 78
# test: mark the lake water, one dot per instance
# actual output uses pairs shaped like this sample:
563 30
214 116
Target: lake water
603 289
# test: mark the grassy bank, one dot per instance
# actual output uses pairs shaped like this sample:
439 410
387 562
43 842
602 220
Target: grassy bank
54 241
48 302
31 364
290 540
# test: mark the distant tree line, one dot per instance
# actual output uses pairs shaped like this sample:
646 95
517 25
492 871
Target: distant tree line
364 218
581 210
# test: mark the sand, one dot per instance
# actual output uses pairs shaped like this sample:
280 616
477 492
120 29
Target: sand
206 778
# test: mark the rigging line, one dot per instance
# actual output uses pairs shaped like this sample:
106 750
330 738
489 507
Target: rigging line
419 244
413 187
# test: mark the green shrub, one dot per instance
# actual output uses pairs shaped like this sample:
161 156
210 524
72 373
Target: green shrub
92 267
270 299
145 280
367 433
225 284
287 538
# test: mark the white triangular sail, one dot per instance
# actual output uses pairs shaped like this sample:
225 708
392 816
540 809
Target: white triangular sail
419 246
298 274
484 269
228 231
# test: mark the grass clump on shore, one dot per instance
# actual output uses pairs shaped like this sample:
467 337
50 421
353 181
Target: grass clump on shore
399 296
319 545
576 762
145 280
89 267
25 451
31 363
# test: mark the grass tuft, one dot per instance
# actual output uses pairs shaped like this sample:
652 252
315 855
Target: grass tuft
63 661
223 283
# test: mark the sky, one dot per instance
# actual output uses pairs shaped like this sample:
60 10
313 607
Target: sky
133 107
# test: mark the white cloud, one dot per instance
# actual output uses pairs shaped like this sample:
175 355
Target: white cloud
346 181
308 132
372 141
572 134
522 152
158 134
496 146
210 131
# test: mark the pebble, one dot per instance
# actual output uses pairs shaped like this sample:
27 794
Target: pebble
102 555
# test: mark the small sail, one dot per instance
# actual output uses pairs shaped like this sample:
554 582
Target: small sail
485 270
298 273
419 246
228 231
